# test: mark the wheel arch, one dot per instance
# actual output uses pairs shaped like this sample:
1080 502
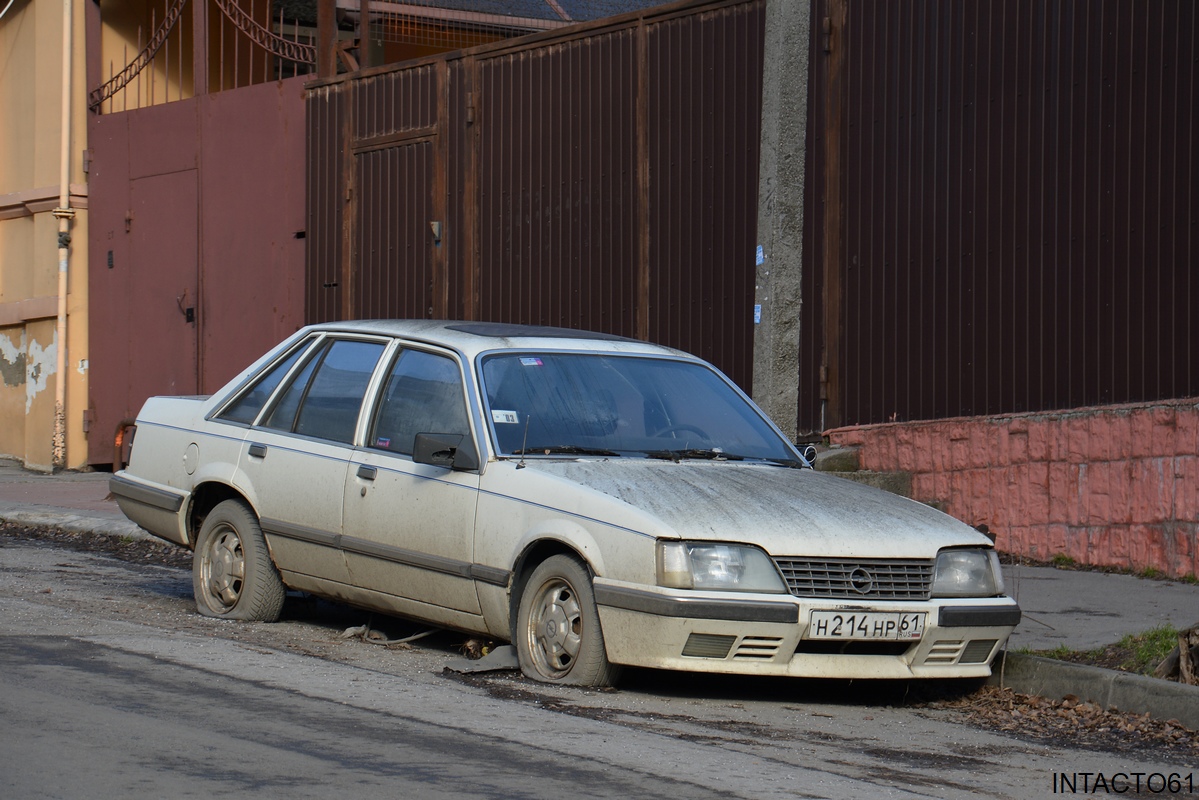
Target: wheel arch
205 497
534 554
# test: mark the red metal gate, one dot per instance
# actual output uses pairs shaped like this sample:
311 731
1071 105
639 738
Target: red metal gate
196 249
143 277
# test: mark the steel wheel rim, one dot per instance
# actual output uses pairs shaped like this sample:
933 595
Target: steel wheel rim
555 629
223 569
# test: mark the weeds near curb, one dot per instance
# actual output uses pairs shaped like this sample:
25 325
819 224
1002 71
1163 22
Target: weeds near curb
1137 653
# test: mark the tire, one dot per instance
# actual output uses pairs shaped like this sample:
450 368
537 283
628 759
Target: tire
232 573
558 636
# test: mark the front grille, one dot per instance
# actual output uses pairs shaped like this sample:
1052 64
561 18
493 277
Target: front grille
858 578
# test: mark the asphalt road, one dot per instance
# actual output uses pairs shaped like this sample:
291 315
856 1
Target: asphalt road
111 685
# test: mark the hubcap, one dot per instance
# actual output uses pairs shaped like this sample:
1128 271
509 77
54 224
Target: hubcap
555 628
224 568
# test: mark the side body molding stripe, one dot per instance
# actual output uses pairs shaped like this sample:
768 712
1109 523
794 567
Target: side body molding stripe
385 552
300 533
492 575
398 555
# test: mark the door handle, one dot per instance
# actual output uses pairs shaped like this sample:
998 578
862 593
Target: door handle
258 450
367 473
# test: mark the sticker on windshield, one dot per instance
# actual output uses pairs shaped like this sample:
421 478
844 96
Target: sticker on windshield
505 417
531 362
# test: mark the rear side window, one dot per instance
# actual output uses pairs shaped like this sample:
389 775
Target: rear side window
251 402
324 399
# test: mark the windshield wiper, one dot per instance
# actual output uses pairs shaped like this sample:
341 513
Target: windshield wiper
564 449
790 463
718 455
679 455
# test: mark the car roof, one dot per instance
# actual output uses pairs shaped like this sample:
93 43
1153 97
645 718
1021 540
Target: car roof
473 338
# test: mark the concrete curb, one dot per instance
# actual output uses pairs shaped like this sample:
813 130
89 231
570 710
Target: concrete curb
1136 694
73 523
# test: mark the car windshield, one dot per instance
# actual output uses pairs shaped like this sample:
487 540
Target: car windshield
609 405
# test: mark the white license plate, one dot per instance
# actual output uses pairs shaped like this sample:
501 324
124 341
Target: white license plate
851 625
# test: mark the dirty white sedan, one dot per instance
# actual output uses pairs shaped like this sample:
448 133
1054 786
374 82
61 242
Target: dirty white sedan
597 501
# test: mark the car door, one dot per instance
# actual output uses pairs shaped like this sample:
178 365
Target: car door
408 528
295 461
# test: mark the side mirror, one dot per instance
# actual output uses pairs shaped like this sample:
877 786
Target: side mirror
449 450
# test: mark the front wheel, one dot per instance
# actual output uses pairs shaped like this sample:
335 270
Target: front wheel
558 636
232 573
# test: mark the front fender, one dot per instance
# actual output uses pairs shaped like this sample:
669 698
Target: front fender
562 531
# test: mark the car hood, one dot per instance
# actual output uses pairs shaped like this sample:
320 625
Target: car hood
786 511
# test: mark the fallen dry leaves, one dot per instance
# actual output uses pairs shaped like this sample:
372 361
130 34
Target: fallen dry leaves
1073 720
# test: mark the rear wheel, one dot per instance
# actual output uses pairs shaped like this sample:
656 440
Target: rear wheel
558 636
232 573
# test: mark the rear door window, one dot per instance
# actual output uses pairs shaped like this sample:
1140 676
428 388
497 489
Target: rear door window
326 396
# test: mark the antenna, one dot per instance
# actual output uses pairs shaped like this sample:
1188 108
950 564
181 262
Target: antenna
524 445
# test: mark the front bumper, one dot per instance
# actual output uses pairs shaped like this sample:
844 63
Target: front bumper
765 634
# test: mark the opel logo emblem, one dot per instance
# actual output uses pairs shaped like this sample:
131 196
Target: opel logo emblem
861 581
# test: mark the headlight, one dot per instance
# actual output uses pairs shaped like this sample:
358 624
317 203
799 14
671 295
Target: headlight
968 573
719 567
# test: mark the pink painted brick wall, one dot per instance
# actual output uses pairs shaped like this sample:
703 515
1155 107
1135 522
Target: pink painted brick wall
1110 486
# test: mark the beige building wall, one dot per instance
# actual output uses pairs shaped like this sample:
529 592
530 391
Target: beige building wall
31 86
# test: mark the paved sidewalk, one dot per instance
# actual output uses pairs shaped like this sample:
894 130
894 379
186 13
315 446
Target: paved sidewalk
72 501
1081 610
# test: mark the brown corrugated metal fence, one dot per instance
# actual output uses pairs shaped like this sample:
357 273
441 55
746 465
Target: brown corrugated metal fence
1019 222
557 189
602 178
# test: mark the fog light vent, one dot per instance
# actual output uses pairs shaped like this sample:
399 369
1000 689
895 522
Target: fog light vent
944 652
758 648
708 645
978 651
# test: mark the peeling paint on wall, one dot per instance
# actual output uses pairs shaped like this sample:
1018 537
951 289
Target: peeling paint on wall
12 360
40 364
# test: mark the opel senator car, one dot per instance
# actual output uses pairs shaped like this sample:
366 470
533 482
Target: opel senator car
595 500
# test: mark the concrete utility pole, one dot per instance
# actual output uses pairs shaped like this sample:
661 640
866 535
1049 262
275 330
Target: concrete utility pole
781 210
